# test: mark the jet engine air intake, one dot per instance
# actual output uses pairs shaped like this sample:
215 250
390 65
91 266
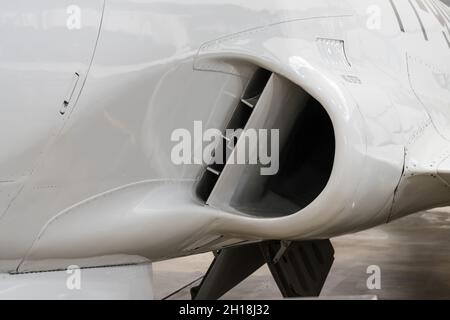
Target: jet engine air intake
306 152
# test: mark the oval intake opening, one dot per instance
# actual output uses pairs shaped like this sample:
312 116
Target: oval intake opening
306 161
305 157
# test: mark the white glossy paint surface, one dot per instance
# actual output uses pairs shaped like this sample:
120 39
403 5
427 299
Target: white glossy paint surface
38 59
112 283
96 186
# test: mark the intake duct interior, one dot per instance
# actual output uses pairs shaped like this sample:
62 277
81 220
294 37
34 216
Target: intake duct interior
306 152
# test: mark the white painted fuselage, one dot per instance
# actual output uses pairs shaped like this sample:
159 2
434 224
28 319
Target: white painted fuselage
92 91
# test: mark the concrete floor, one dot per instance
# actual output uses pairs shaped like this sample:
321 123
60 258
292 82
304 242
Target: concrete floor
413 254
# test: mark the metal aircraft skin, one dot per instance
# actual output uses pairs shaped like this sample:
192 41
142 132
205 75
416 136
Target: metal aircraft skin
93 90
